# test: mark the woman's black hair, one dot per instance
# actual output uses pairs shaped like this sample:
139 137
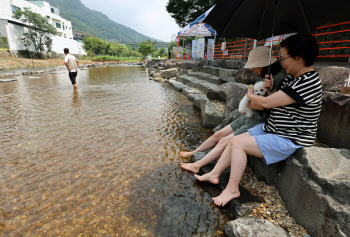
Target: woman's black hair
275 68
302 45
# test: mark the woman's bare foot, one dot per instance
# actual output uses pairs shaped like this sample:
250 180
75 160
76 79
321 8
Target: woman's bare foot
190 167
207 177
226 196
186 154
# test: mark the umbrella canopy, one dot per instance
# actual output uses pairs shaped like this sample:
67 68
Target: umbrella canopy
256 18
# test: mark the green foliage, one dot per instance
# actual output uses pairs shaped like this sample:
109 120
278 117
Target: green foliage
113 58
95 46
4 43
94 22
172 44
40 30
146 47
184 11
162 53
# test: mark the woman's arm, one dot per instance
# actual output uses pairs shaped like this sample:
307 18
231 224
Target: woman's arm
254 106
277 99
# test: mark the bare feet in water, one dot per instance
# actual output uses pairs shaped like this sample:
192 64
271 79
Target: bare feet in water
190 167
186 154
207 177
226 196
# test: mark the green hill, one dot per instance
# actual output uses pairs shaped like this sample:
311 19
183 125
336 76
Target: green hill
94 22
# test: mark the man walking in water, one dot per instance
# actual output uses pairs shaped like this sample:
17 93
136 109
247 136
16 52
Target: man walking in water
72 64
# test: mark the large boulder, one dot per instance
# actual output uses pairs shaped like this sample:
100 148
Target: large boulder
315 186
210 115
169 73
187 64
220 92
234 96
169 64
246 76
332 78
253 226
334 123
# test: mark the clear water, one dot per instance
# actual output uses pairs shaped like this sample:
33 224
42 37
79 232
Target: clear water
102 161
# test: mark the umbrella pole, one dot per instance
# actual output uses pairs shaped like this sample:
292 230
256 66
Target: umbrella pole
269 67
196 52
213 49
245 48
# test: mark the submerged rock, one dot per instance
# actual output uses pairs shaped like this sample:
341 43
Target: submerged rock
253 226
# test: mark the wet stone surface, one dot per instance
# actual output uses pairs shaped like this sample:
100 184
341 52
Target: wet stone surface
102 161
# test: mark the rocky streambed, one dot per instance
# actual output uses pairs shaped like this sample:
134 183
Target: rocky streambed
307 193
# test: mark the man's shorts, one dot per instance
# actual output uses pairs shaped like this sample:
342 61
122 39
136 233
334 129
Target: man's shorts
273 147
73 77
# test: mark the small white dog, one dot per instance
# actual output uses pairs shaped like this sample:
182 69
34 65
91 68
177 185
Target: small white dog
258 90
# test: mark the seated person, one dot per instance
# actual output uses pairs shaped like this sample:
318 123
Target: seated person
258 61
292 123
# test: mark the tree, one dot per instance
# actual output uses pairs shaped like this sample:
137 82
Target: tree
185 11
146 47
39 28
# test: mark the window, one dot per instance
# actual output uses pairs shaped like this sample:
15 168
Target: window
14 8
58 25
48 17
65 36
52 10
66 27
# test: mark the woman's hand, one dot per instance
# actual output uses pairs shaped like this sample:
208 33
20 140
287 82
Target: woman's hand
267 82
251 90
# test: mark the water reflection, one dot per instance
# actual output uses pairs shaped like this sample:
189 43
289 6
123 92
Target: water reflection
99 161
76 101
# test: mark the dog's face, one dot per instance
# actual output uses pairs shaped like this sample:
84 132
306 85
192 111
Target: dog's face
259 89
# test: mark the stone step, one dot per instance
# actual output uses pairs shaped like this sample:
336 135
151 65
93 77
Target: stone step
205 77
212 112
204 86
217 71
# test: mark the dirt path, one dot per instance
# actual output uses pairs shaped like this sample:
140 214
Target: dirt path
7 63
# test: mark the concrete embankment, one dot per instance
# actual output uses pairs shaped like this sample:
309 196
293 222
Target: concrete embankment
313 183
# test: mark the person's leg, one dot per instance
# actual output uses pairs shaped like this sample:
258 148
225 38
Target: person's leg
239 150
211 141
223 163
75 80
208 158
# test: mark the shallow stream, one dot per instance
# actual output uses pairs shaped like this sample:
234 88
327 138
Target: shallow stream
101 161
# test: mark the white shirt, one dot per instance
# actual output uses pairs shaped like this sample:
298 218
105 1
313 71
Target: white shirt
72 62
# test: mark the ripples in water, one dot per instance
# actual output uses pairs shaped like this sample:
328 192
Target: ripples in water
102 161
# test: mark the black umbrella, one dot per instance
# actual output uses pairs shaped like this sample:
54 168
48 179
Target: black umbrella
259 19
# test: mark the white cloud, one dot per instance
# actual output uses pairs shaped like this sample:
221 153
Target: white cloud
146 17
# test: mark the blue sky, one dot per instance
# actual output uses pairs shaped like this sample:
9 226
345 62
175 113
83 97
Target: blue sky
148 17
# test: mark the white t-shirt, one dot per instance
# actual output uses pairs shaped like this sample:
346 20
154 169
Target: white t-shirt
72 62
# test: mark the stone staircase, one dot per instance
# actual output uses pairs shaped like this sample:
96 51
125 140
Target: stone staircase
197 83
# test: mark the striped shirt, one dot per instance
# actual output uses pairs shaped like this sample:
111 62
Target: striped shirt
298 121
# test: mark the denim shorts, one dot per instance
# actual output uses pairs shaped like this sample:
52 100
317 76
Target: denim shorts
273 147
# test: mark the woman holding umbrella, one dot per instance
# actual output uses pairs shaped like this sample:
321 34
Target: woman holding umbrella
292 123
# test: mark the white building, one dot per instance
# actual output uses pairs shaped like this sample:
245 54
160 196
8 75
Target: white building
13 29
